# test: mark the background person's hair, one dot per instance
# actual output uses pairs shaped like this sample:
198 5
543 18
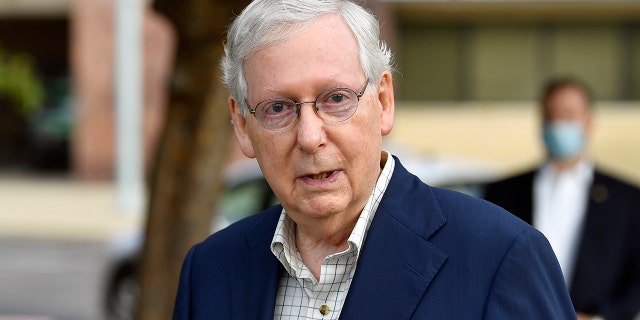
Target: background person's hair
556 84
266 22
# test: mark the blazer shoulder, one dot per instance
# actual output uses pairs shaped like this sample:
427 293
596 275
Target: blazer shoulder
613 181
425 209
478 215
243 235
519 179
514 193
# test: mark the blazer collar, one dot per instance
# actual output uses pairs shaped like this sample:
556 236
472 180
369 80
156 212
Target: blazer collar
398 262
254 277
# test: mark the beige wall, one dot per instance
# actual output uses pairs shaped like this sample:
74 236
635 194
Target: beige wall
507 134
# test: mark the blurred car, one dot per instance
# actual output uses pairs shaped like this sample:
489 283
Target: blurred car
247 192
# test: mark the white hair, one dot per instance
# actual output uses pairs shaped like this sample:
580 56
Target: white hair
265 22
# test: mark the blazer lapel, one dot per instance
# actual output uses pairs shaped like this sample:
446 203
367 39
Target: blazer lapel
397 262
525 198
254 281
599 233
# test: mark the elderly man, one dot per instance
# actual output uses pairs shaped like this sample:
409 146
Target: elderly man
591 219
356 236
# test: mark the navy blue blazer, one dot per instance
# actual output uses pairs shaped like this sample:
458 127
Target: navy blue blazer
429 254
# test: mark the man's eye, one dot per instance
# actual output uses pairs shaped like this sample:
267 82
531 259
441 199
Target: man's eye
276 108
336 98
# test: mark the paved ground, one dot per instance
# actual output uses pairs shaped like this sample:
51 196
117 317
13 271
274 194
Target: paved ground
52 280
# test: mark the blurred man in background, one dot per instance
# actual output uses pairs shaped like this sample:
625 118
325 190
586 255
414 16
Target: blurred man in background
591 219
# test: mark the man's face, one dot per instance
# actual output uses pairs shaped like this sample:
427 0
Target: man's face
317 169
567 122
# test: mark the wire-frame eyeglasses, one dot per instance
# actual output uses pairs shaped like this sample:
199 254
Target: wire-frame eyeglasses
331 105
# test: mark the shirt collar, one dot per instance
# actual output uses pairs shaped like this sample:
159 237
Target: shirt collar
283 245
581 172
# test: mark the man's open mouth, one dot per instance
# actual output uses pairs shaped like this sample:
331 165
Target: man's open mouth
320 176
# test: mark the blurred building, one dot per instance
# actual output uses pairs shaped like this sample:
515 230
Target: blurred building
72 45
39 27
446 51
93 70
36 34
504 49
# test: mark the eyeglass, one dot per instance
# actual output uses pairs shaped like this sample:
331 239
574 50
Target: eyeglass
331 105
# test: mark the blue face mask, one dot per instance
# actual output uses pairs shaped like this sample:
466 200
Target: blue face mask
563 139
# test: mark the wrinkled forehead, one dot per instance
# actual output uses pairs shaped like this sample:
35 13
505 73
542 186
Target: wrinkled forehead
326 50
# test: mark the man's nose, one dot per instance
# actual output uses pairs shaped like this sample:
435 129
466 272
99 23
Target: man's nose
311 135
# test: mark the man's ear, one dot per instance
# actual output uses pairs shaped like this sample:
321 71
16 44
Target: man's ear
387 101
240 128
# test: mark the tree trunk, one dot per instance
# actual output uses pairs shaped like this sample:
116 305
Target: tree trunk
193 150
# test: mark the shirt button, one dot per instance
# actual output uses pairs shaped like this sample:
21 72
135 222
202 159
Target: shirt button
324 309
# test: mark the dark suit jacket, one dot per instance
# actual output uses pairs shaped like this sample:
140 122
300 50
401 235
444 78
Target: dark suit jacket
606 278
429 254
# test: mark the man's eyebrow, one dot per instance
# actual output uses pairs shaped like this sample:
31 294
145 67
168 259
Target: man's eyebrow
272 90
273 93
278 93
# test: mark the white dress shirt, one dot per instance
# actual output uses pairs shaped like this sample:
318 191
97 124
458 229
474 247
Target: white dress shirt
560 203
300 295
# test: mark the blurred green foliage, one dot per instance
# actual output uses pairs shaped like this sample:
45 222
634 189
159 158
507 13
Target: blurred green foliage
19 84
